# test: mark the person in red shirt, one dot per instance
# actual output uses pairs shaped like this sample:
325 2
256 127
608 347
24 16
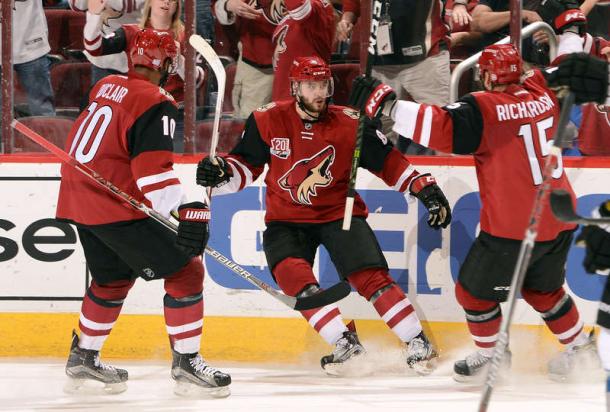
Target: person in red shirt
161 15
308 146
308 29
125 134
507 128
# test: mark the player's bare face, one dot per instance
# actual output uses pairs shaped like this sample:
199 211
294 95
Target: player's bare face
314 95
163 9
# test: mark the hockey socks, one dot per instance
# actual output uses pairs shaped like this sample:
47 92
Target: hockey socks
397 312
184 322
482 316
100 309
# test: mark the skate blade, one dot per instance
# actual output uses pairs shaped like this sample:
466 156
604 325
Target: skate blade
424 368
93 387
355 366
191 390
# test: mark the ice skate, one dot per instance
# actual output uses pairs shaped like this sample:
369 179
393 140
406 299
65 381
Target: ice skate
473 369
421 355
195 378
85 370
339 362
564 365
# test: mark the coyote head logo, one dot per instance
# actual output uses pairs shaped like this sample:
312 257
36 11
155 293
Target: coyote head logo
306 175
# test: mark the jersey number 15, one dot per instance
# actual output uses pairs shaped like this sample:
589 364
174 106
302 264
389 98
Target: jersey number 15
526 132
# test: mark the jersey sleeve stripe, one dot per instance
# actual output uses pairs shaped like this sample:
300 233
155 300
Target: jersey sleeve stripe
243 170
159 185
426 128
152 179
92 35
165 200
405 178
405 115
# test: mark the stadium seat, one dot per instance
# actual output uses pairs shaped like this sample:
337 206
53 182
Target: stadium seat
230 132
65 30
53 128
343 75
70 93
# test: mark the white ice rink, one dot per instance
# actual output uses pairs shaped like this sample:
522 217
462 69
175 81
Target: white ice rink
38 387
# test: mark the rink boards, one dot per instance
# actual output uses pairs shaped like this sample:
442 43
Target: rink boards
43 270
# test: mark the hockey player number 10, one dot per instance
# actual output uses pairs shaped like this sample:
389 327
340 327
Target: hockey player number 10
81 139
525 131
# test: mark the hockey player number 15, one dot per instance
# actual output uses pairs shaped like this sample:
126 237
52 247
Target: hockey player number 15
95 115
526 132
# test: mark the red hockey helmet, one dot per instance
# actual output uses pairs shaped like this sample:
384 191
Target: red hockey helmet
502 62
152 48
310 69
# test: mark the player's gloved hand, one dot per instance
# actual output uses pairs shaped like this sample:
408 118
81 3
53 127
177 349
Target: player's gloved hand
424 188
193 230
596 242
213 173
369 96
563 15
585 75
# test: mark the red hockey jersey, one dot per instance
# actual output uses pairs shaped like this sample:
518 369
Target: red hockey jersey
594 132
508 133
307 30
309 162
125 135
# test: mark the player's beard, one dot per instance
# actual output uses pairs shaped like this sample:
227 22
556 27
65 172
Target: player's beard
315 106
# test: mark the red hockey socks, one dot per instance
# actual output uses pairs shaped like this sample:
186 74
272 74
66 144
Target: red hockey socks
293 275
482 316
100 309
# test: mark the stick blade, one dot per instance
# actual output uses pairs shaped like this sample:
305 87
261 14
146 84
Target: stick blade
562 207
324 297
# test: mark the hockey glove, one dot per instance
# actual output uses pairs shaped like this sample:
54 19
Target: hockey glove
562 15
213 173
369 96
424 188
597 243
586 76
193 230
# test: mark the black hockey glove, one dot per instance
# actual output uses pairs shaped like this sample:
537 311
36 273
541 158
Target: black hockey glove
369 96
597 243
424 188
213 174
193 230
562 15
586 76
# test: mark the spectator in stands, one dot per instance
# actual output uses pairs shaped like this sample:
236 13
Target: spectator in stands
464 40
204 20
308 29
115 14
598 17
416 63
30 60
161 15
256 21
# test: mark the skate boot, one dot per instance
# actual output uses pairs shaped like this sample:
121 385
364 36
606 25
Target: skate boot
194 377
421 355
562 367
473 369
347 348
84 366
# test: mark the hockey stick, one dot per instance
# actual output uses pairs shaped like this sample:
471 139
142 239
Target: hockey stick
210 56
322 298
351 187
525 252
563 209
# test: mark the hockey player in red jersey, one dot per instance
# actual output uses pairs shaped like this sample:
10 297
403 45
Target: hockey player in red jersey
125 135
308 147
307 29
507 128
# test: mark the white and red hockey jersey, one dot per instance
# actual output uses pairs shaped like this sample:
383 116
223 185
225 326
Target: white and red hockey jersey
508 133
309 162
307 30
125 135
